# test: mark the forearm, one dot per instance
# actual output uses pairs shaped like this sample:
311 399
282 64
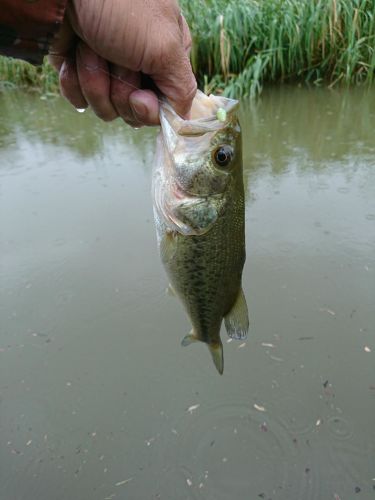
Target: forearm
27 28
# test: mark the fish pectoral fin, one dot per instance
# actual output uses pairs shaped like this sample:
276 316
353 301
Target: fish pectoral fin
168 246
216 351
237 320
189 339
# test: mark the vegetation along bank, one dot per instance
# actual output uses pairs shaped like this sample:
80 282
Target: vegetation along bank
240 45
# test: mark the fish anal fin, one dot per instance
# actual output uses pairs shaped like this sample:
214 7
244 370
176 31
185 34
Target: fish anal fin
216 350
237 319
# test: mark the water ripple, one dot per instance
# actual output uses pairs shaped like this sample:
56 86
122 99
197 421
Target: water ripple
234 451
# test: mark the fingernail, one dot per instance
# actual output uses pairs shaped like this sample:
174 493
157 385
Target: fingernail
139 110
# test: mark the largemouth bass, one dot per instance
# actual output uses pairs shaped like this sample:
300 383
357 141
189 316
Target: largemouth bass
198 197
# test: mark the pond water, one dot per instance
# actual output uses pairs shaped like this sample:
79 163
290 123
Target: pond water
98 400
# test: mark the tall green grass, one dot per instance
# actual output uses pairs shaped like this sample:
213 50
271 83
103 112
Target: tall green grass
239 45
15 73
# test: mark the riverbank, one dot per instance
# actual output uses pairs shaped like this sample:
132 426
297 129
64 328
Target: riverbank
240 45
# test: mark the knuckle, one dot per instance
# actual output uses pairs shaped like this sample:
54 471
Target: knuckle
120 100
192 90
163 54
105 116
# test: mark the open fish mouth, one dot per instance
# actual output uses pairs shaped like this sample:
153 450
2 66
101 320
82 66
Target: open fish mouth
208 114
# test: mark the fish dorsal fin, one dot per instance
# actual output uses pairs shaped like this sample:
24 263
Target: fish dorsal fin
216 351
237 320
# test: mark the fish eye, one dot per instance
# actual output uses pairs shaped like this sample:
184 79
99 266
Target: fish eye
223 155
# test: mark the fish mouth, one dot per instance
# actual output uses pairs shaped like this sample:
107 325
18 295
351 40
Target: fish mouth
203 115
202 126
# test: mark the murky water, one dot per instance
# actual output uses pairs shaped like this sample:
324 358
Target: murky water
98 400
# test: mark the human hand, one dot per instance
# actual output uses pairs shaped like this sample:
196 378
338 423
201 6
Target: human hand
105 46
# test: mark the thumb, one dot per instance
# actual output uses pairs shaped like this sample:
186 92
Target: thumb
177 82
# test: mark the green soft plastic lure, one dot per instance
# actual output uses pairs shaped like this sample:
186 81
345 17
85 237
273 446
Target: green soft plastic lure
221 115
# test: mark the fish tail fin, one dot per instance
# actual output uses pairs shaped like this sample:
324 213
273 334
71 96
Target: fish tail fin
216 350
189 338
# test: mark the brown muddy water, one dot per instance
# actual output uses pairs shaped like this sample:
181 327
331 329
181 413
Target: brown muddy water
98 400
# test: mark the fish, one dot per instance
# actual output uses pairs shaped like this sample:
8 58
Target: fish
199 213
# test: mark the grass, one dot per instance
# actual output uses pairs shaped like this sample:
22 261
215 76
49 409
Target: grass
15 73
240 45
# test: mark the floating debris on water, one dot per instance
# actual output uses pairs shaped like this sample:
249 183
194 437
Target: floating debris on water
329 311
150 441
193 408
189 482
276 358
125 481
242 345
367 349
259 408
268 344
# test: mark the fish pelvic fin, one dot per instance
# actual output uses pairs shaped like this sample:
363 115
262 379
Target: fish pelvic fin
237 319
189 338
216 350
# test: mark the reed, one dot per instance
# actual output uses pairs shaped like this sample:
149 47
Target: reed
240 45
